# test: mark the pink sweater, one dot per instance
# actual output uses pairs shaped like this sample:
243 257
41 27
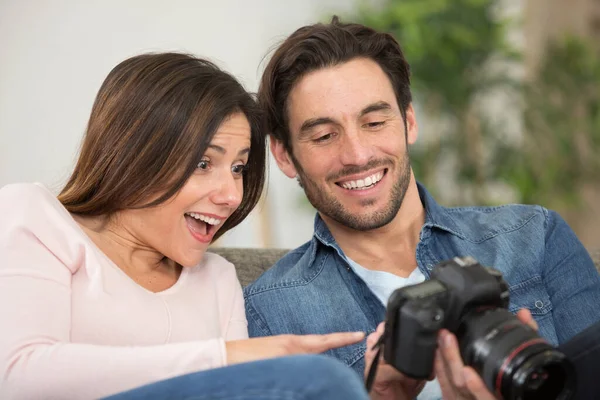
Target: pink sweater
76 326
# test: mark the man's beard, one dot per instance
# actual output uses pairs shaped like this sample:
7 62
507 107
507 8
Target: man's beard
328 205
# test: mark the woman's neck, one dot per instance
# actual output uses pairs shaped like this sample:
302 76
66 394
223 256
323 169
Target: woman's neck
122 246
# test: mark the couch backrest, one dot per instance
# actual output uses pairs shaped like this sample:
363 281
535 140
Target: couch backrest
251 262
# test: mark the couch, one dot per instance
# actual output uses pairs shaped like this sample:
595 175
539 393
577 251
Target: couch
251 262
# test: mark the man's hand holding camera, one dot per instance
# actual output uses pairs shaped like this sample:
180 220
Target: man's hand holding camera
504 354
458 381
389 384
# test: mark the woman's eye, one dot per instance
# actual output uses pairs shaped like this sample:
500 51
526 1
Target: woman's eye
204 164
239 169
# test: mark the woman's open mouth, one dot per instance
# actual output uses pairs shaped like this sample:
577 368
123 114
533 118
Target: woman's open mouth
202 227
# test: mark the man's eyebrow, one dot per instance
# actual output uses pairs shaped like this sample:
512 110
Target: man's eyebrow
379 106
313 122
222 150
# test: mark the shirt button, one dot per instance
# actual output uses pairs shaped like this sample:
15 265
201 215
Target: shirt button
429 266
539 304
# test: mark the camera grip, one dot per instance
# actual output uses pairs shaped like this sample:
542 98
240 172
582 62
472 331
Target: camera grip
411 345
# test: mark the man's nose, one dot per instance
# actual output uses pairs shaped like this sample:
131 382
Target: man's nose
355 149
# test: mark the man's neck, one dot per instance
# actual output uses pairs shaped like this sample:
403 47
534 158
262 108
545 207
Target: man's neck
391 248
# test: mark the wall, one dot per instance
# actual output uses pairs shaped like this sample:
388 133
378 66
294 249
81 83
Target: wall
55 54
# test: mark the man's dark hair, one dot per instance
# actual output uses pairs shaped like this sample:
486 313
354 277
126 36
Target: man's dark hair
320 46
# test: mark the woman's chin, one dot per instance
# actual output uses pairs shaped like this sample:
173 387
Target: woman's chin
191 259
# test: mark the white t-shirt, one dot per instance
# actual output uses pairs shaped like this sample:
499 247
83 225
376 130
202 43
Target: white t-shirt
383 284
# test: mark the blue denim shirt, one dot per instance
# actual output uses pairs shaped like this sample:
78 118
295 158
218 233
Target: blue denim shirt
313 289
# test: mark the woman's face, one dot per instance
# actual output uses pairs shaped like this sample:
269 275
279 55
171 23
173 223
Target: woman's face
182 228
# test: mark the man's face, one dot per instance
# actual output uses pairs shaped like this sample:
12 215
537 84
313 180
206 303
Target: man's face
349 144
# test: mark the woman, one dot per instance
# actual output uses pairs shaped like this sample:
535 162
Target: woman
109 287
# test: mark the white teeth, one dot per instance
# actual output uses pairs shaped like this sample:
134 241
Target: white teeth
208 220
362 184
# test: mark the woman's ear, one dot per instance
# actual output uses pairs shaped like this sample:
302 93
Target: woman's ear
282 157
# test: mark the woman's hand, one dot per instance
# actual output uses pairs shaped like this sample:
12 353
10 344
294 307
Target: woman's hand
457 381
389 383
239 351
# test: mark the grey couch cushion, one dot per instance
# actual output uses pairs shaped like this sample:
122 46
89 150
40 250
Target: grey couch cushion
250 262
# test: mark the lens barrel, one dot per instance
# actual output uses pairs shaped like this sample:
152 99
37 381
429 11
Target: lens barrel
512 359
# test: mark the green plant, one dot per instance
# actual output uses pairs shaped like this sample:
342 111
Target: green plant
560 152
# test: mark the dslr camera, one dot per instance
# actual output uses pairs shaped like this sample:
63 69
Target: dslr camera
471 301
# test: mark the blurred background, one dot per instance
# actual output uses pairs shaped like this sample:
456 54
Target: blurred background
507 92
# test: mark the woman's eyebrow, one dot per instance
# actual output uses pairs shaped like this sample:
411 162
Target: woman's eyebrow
223 150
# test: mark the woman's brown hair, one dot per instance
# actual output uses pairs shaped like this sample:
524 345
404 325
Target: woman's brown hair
150 125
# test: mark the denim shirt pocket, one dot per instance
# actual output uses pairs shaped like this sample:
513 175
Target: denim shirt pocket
532 295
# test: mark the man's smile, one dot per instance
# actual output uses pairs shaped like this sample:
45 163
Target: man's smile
364 181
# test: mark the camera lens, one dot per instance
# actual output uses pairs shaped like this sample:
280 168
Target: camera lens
537 379
545 375
512 359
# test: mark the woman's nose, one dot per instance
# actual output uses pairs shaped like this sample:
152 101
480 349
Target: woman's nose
229 192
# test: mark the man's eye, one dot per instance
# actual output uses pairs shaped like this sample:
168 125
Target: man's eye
204 164
323 138
374 124
239 169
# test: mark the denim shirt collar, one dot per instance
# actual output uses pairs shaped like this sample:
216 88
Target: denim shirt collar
436 216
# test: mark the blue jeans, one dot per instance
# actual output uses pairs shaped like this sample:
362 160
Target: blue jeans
304 377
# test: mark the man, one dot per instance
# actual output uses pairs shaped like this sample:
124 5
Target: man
339 111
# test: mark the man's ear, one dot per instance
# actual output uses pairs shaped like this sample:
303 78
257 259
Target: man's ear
412 129
283 158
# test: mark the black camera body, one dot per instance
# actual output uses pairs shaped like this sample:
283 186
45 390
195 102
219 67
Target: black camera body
471 301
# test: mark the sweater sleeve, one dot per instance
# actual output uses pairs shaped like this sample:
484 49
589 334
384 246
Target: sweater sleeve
238 326
230 297
37 359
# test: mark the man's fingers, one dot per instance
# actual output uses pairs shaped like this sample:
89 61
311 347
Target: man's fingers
524 315
457 381
476 386
322 343
372 340
387 373
370 352
375 336
443 377
451 356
